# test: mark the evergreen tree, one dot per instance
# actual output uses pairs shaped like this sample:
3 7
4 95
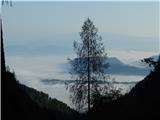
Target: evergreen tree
88 68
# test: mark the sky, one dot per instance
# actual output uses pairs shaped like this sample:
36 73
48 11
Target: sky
39 35
48 18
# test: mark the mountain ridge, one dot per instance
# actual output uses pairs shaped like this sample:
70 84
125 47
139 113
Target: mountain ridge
117 67
63 82
22 102
142 101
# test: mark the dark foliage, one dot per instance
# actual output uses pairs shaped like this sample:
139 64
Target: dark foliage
142 101
88 68
23 103
44 101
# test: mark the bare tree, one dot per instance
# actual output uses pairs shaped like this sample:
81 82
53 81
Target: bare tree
88 68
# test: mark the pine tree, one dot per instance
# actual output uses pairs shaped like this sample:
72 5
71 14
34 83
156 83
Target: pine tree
88 68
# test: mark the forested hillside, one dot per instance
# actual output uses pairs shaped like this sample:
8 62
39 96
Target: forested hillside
24 103
141 102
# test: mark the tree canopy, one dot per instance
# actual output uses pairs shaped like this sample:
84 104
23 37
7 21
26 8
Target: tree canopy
87 69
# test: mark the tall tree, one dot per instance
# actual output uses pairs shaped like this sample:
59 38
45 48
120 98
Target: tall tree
2 42
4 81
2 51
88 68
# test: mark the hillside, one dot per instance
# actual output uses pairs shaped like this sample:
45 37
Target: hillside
44 101
142 101
24 103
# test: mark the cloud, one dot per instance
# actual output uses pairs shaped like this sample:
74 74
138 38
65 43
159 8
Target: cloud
130 56
37 67
30 69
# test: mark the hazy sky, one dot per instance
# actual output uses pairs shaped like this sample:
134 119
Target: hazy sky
32 19
40 34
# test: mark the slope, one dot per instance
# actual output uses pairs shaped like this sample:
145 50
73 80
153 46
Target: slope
21 102
141 102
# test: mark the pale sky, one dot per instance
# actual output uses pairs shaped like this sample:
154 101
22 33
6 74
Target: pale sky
47 18
37 32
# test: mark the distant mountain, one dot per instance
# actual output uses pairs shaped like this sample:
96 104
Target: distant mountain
56 81
62 43
117 67
62 82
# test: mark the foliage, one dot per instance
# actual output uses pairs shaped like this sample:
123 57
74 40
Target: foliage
142 101
151 62
22 102
44 101
88 68
107 93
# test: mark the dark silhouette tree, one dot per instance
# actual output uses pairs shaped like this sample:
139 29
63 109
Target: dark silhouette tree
2 52
88 68
4 81
2 43
151 62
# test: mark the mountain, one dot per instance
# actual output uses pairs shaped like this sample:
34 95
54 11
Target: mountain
24 103
143 101
62 43
18 105
63 82
117 67
56 81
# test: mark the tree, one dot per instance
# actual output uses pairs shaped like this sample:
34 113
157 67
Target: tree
151 62
88 68
4 82
2 45
2 51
